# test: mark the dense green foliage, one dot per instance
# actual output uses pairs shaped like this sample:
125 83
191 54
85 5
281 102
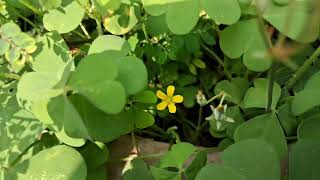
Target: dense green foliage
76 75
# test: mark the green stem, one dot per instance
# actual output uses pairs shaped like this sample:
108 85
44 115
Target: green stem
218 59
214 97
159 155
99 26
4 18
27 20
301 71
143 26
14 162
92 15
10 76
30 6
85 31
270 88
268 43
134 143
79 34
198 129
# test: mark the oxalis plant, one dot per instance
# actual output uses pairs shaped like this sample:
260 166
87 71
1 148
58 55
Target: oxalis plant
240 78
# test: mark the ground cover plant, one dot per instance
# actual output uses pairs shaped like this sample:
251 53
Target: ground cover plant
239 77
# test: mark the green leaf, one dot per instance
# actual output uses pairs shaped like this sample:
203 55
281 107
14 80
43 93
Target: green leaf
4 47
263 163
65 115
309 128
95 154
224 12
308 98
256 97
178 154
66 18
199 63
122 20
237 38
35 87
281 2
180 22
296 29
189 95
9 30
52 4
162 174
219 172
156 25
304 159
132 74
18 127
72 168
197 164
13 55
265 127
97 174
52 53
102 127
257 57
146 96
141 118
103 6
236 88
138 170
25 42
110 43
99 87
287 120
155 7
75 142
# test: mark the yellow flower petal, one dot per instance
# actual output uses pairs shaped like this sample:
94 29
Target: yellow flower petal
172 108
161 106
161 95
170 90
177 99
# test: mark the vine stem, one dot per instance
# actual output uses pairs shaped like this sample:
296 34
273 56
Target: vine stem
218 59
300 72
268 43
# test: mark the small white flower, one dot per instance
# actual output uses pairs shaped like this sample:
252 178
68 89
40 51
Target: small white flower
219 115
201 98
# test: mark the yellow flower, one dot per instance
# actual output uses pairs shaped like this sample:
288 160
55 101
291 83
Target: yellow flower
168 100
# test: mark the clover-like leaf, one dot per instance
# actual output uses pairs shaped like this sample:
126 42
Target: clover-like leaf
72 168
110 43
66 18
122 20
256 97
100 87
235 88
265 127
260 152
180 22
224 12
296 29
303 160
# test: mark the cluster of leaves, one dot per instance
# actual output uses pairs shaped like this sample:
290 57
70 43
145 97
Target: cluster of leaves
83 73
